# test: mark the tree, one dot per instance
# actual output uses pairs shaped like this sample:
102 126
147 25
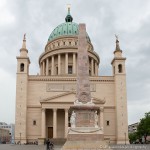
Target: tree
143 128
132 137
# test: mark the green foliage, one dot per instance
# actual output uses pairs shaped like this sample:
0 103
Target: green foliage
143 128
132 137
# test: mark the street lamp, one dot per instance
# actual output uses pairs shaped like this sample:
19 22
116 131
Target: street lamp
20 138
125 137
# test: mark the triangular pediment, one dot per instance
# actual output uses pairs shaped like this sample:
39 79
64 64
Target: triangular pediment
68 97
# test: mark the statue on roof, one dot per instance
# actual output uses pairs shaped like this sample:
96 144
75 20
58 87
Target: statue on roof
24 36
116 37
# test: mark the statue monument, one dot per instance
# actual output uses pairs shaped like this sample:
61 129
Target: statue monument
85 131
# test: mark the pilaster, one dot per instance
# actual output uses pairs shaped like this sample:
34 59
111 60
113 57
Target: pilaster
102 118
43 122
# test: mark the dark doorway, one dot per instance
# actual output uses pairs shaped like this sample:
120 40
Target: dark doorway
50 132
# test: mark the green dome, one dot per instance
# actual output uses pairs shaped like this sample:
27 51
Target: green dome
66 29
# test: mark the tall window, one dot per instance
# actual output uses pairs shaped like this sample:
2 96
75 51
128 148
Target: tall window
34 122
89 72
21 67
69 69
120 68
56 70
49 72
107 123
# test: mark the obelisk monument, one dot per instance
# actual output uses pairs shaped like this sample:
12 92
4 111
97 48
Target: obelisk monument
84 131
83 86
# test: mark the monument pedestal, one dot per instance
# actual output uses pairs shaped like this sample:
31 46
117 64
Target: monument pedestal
85 138
85 134
85 145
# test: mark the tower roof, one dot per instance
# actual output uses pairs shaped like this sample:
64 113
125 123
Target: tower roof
24 41
67 28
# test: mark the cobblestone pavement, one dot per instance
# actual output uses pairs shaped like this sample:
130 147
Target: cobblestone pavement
58 147
26 147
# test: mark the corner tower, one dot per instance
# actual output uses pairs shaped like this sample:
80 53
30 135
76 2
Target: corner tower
21 93
119 73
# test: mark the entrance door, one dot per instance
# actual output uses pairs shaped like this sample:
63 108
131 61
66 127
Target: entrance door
50 132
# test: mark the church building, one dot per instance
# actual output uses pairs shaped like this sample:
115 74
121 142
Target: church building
43 100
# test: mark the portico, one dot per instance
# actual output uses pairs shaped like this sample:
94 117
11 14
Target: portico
55 116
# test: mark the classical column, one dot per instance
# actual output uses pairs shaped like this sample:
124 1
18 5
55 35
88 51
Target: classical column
74 63
66 63
52 70
66 122
92 67
59 64
47 66
41 69
95 68
43 121
54 123
102 118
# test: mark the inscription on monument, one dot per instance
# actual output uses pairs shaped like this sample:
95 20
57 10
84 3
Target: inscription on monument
85 119
65 87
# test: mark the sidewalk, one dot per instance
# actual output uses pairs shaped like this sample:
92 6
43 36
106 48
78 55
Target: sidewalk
26 147
58 147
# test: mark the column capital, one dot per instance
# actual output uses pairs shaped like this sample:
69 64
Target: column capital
66 109
43 109
54 109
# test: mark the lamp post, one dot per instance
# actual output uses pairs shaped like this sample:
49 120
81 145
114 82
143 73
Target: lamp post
125 137
20 138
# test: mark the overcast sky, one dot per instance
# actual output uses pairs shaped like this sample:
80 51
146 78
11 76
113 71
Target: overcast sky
130 19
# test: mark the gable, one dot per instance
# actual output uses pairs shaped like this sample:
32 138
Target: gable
68 97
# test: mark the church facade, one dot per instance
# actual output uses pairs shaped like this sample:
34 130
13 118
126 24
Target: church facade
43 100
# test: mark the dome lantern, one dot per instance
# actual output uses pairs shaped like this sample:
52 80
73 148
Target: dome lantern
69 18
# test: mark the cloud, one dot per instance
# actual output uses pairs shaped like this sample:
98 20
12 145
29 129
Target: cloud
7 97
104 18
6 17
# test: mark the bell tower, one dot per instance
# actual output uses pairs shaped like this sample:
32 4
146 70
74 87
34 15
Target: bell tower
23 62
119 73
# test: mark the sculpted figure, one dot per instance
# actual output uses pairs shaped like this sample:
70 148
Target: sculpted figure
73 119
96 120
